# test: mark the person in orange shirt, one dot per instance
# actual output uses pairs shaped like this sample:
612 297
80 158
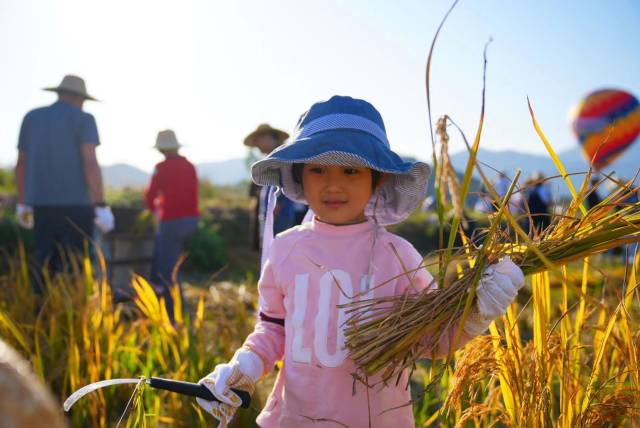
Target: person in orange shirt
173 196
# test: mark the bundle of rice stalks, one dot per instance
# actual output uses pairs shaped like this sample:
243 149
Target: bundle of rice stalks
388 334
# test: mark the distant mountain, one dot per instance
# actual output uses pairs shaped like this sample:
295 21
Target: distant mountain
233 171
123 175
624 167
508 161
226 172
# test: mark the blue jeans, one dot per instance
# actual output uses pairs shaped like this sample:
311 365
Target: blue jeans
168 246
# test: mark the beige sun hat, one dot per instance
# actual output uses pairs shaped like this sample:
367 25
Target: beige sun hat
167 140
265 128
73 84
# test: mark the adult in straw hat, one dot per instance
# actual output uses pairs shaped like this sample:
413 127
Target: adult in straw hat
287 213
172 195
265 138
58 179
72 85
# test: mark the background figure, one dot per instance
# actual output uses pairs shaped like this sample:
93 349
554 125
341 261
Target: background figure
628 251
254 216
58 179
538 201
287 213
483 203
501 185
593 198
299 212
173 196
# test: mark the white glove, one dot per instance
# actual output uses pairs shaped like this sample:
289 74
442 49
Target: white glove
104 219
497 289
242 372
24 216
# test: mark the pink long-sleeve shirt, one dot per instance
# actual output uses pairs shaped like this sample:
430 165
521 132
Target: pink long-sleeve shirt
299 285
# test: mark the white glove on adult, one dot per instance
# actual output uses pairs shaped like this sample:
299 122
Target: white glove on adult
497 289
104 219
242 372
24 216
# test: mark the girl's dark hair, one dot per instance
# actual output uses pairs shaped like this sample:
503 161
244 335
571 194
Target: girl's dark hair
296 172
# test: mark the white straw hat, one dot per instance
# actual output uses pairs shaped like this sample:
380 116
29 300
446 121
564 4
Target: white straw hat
167 140
74 85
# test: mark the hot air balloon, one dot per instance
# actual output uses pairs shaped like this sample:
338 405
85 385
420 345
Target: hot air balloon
606 122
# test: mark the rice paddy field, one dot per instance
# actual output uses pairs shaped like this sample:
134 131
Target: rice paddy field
565 354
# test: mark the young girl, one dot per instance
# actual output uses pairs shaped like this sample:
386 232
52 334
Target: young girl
340 163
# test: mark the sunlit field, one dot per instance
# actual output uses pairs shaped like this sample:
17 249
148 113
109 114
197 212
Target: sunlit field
78 336
565 355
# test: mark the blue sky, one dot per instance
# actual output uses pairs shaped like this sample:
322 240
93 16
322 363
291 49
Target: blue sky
214 70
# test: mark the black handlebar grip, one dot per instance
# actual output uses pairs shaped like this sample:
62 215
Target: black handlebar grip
195 390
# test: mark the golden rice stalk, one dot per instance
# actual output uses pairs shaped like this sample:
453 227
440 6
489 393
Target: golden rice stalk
616 407
476 411
475 363
446 173
388 333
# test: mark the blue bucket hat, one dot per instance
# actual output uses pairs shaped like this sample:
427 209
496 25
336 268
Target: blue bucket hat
347 131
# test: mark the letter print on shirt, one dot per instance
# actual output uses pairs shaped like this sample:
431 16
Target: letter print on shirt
300 354
327 286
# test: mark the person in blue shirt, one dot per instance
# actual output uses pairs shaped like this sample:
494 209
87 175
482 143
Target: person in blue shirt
539 203
58 179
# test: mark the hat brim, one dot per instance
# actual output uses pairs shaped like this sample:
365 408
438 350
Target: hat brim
391 203
281 136
58 89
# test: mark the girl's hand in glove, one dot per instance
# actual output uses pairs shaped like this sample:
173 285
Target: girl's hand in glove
497 289
242 372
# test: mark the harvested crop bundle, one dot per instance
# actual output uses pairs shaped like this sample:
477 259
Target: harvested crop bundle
386 334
